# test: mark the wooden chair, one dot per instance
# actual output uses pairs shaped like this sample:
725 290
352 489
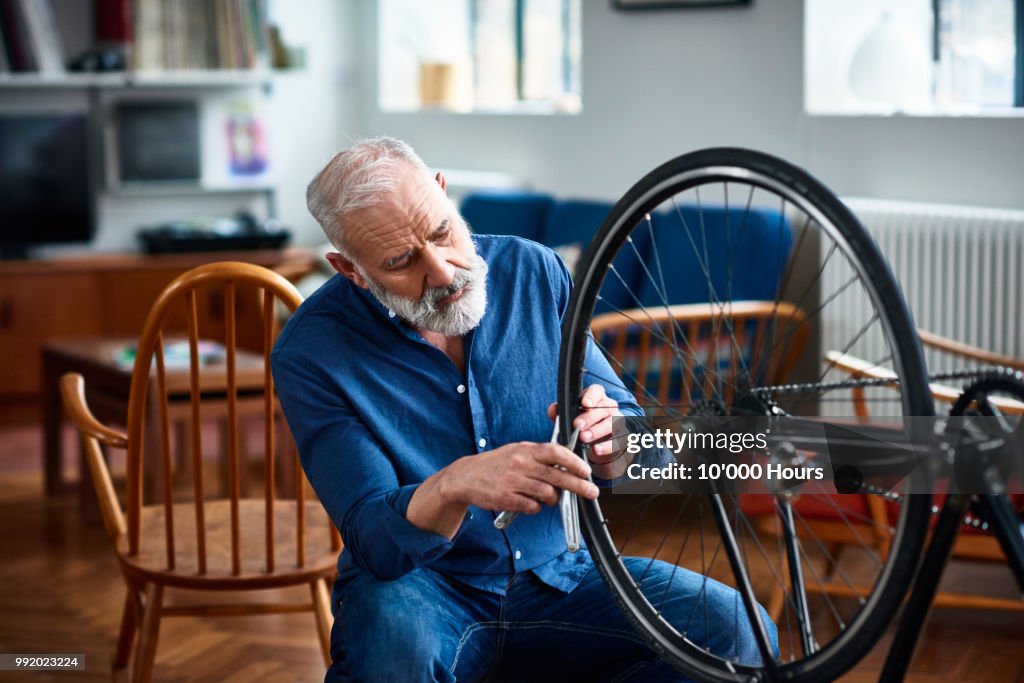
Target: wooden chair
673 374
972 544
191 540
669 355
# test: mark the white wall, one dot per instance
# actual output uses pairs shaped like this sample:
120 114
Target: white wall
658 84
313 110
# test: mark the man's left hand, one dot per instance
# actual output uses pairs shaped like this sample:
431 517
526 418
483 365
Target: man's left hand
595 425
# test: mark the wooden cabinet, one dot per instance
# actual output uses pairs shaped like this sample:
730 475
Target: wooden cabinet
33 307
109 296
128 294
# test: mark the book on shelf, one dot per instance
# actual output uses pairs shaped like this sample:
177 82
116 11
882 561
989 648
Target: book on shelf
157 35
5 64
15 28
184 35
114 23
44 36
29 38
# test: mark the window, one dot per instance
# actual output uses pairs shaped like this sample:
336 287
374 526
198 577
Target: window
480 55
930 57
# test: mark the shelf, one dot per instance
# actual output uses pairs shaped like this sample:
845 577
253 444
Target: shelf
197 78
61 80
185 189
139 79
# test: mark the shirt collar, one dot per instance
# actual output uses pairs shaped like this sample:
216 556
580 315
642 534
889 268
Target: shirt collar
379 310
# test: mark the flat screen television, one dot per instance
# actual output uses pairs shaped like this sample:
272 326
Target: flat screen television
45 193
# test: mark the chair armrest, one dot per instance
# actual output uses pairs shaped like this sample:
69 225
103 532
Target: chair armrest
72 389
862 369
967 351
859 368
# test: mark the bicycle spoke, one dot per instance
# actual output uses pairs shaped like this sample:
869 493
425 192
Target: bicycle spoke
679 557
704 265
745 588
849 345
705 351
803 296
675 325
828 557
661 543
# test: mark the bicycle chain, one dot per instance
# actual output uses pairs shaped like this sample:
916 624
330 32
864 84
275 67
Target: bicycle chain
805 387
966 374
969 521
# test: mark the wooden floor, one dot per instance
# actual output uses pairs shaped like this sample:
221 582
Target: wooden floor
60 593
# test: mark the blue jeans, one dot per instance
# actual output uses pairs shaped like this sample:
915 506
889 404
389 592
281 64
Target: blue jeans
427 627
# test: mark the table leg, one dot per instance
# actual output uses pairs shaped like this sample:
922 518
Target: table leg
53 467
182 451
245 424
222 455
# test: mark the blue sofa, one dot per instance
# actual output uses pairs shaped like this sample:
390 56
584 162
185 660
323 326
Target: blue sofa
745 257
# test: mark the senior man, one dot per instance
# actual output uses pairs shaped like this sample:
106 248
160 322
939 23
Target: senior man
418 384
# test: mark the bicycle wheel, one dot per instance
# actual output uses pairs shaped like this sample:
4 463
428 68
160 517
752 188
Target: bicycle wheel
998 399
714 275
984 436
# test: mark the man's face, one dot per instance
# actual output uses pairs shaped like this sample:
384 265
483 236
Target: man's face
414 253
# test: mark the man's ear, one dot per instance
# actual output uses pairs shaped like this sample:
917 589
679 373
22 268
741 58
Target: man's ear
441 181
346 268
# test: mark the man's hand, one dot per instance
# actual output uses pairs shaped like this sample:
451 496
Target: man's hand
521 477
595 425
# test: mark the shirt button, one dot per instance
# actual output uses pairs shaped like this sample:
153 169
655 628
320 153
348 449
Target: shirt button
482 443
519 555
391 314
461 388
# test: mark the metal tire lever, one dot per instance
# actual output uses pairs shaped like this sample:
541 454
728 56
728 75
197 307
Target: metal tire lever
507 517
570 509
567 504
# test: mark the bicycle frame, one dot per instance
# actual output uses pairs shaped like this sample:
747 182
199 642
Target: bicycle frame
997 512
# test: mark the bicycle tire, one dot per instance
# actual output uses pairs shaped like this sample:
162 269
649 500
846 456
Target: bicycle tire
728 164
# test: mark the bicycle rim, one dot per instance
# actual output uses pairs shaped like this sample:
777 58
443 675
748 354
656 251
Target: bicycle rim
655 211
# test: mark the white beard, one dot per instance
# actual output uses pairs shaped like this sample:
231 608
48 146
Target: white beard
452 319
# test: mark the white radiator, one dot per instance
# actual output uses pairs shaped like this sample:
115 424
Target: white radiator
961 270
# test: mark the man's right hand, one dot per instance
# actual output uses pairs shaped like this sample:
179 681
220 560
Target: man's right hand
519 477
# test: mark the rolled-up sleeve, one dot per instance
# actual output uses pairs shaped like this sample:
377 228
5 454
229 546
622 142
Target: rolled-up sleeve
352 475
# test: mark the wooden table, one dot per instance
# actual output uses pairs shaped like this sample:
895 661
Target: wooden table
98 295
107 386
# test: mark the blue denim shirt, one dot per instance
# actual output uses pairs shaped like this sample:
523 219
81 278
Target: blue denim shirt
375 410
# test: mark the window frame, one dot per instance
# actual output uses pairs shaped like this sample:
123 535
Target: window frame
571 82
1015 109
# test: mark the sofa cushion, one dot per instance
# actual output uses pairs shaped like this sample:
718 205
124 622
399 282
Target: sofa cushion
507 213
576 222
744 256
573 221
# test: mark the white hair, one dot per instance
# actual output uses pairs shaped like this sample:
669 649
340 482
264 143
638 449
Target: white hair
358 178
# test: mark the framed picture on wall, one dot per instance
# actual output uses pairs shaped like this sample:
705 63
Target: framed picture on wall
664 4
